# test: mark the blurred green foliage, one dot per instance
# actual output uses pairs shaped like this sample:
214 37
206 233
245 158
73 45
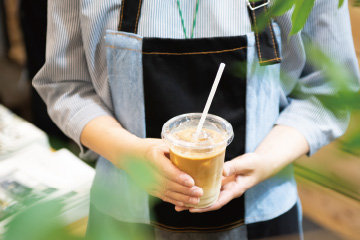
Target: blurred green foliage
333 182
341 2
302 9
38 222
301 12
42 221
141 172
239 69
345 99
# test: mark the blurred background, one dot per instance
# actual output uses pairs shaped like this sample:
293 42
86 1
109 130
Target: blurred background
22 54
328 182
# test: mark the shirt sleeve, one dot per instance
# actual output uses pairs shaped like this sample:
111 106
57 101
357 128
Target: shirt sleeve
328 28
64 82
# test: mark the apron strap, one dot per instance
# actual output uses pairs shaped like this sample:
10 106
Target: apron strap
266 44
129 15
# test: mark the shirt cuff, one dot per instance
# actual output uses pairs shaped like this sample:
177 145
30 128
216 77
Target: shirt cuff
77 123
317 124
311 133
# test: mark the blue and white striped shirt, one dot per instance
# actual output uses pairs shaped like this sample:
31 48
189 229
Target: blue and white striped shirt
73 81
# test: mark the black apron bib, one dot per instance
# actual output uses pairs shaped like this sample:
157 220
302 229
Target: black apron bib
178 76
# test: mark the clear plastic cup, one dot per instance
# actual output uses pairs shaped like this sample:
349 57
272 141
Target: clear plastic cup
201 158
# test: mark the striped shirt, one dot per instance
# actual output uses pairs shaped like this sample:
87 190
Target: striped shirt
73 81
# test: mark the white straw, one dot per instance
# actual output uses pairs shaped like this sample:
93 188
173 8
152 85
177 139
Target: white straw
210 98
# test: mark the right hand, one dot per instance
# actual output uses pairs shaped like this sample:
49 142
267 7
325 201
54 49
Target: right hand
168 182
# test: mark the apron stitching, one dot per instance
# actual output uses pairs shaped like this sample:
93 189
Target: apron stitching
122 14
137 18
188 229
188 53
197 230
203 228
270 60
194 53
272 36
129 49
257 34
122 34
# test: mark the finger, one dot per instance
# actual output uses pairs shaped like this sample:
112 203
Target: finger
224 197
245 182
176 187
239 165
228 181
179 209
236 183
171 172
166 199
179 197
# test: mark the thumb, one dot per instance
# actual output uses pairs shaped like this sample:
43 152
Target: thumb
239 165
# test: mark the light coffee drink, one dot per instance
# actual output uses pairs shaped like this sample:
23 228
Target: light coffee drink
202 157
203 167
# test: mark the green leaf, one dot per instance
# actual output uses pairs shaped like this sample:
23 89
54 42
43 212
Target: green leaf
277 9
323 178
301 13
339 77
352 143
38 222
280 7
341 2
239 69
140 170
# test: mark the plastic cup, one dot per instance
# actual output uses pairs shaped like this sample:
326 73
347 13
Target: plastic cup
202 158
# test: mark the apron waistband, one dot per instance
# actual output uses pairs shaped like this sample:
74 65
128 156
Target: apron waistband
266 43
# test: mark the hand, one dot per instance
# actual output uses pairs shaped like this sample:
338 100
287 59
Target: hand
167 182
281 147
239 175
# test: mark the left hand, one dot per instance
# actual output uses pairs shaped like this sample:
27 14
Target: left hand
239 174
280 147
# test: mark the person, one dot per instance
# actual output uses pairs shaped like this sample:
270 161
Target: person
116 71
33 17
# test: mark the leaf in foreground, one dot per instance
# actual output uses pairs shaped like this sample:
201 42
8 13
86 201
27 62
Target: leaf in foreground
341 2
38 222
301 13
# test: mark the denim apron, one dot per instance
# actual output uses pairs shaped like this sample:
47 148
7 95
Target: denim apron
173 77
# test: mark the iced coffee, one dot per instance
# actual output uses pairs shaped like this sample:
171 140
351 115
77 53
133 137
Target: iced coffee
199 155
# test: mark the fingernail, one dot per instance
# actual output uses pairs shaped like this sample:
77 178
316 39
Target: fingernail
194 200
181 204
178 210
189 183
197 191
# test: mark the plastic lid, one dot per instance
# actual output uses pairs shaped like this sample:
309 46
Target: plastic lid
191 120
